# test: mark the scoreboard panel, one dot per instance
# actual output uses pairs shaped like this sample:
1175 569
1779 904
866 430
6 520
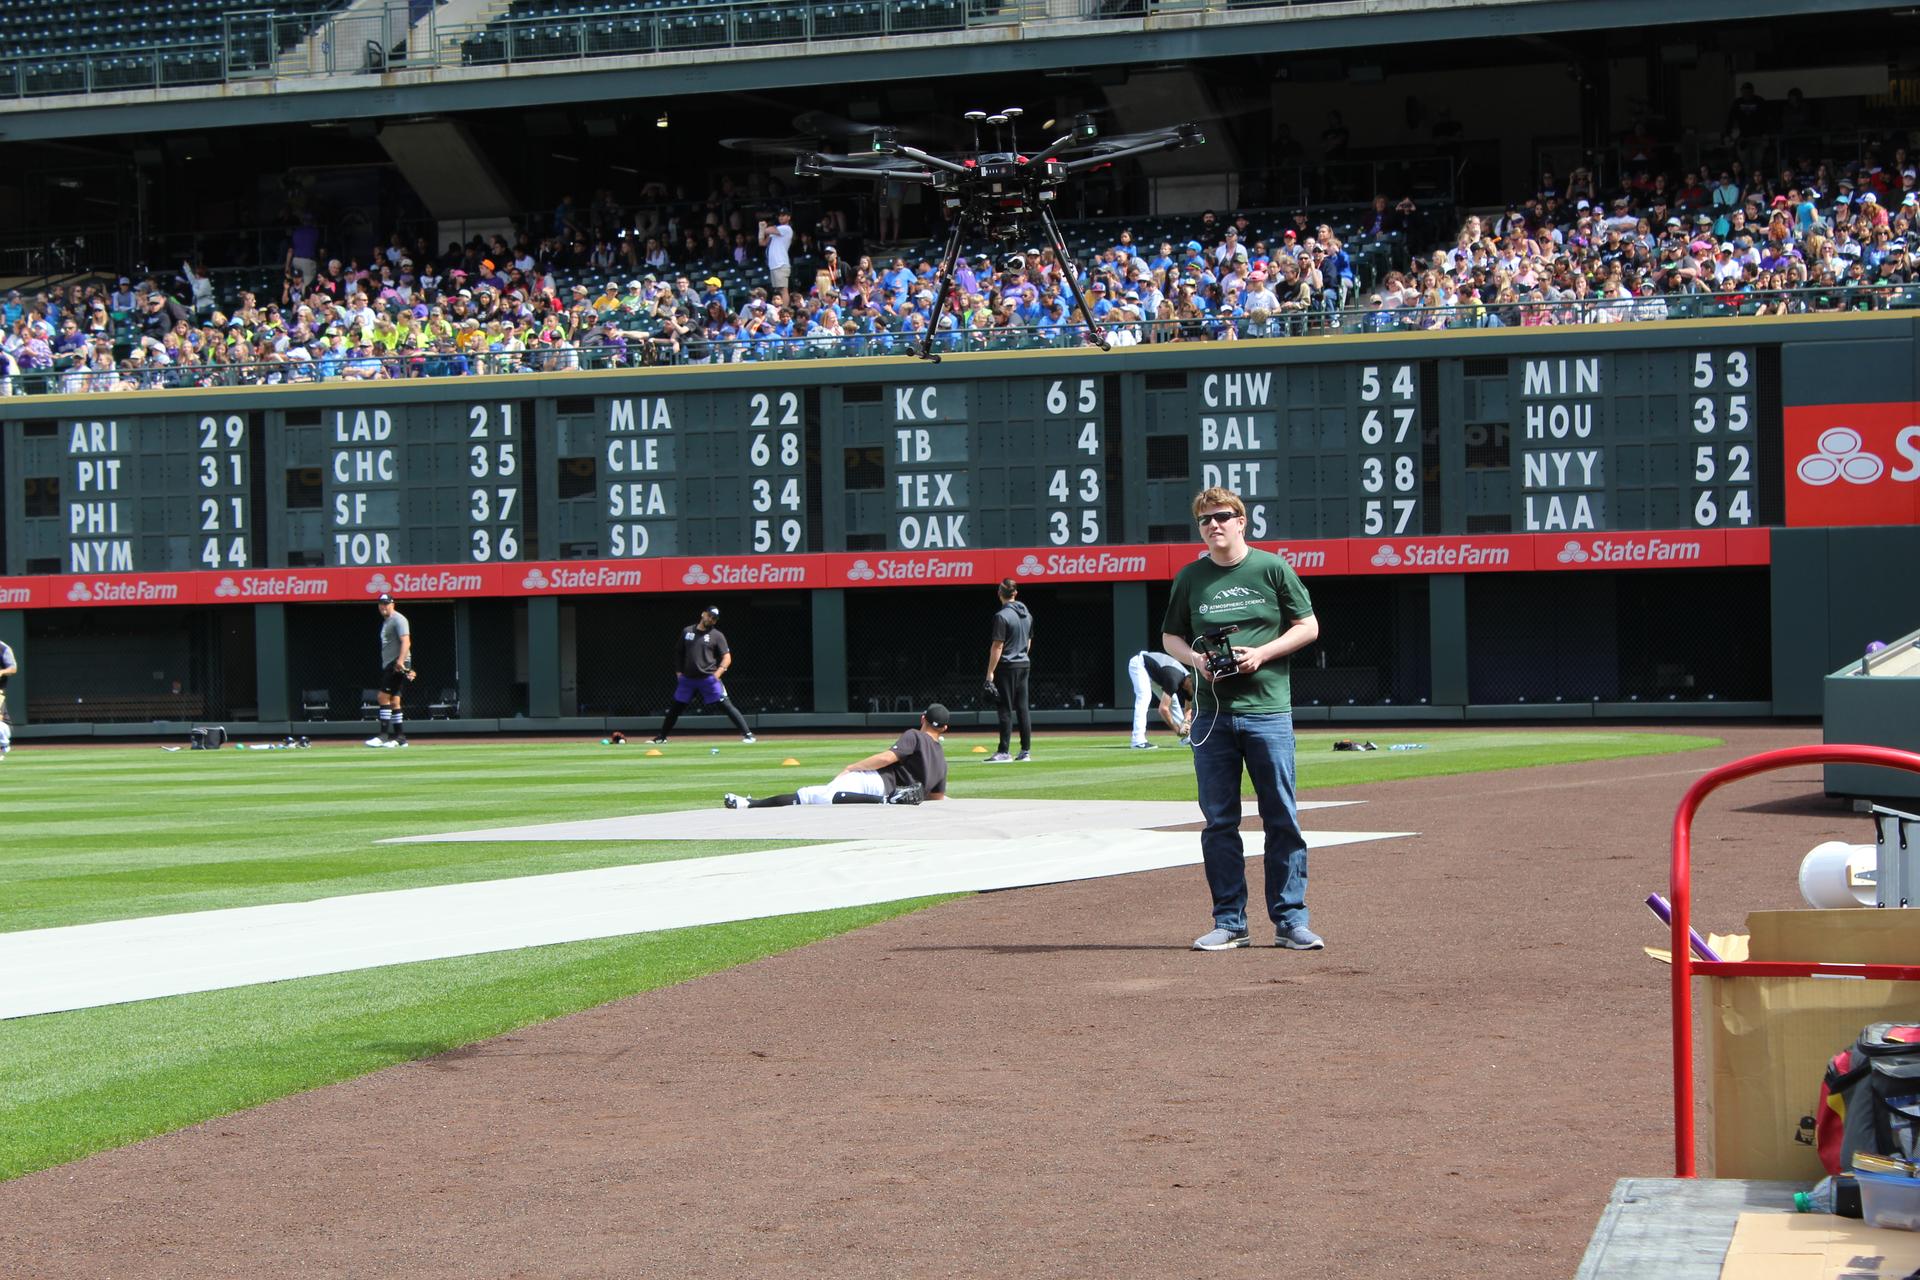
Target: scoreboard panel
112 492
1597 431
698 473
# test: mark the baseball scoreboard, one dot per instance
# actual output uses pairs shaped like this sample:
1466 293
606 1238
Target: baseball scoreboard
1675 427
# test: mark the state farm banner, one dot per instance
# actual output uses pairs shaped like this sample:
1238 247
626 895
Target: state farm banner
581 577
1089 564
730 572
74 591
1492 553
1497 553
911 568
1853 464
1324 557
1704 548
23 593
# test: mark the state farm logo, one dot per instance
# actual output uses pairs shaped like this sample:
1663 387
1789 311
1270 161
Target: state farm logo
378 584
227 587
78 592
1031 567
1573 553
696 576
535 580
1841 455
1386 557
860 571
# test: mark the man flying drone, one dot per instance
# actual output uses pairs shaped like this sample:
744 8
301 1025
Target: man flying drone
995 189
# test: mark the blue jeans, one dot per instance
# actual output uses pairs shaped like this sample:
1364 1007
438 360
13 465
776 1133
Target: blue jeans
1224 744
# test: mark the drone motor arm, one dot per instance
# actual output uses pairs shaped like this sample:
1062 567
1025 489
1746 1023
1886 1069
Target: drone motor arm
1054 148
931 161
1186 136
815 169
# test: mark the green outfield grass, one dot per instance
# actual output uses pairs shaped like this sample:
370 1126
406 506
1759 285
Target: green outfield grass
103 833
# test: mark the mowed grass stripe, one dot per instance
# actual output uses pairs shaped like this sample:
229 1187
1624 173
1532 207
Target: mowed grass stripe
115 833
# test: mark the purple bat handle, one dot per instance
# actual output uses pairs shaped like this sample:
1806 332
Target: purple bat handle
1660 907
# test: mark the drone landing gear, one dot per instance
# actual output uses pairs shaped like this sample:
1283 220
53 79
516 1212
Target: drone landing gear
1071 275
950 261
943 289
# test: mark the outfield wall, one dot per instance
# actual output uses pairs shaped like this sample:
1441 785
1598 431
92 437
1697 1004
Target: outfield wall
1696 518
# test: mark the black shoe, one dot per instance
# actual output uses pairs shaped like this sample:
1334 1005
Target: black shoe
912 793
660 741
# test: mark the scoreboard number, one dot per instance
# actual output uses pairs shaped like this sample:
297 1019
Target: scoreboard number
1722 489
1075 511
776 444
222 466
1390 439
493 454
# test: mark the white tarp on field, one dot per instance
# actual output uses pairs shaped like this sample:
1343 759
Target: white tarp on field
82 966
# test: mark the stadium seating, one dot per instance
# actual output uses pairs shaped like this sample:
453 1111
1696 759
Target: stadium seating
535 30
120 44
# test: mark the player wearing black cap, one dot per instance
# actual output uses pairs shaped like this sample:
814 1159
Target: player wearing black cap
913 769
396 669
704 659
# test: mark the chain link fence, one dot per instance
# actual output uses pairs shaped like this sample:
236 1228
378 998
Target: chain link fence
627 650
130 666
333 660
911 647
1647 636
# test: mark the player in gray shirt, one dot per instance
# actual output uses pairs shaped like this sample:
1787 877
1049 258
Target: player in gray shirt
396 669
1009 660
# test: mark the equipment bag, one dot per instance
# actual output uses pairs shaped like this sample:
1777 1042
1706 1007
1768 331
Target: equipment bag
1870 1098
209 738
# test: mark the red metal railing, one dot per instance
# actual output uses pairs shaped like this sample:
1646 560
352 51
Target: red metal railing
1685 966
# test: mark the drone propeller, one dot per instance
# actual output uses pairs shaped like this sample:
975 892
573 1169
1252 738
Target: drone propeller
1108 143
859 160
772 146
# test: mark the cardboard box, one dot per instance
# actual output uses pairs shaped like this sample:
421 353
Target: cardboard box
1817 1246
1771 1038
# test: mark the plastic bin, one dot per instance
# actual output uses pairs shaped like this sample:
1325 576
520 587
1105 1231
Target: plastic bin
1888 1200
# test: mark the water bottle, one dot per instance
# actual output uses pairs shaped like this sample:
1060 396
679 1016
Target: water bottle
1835 1193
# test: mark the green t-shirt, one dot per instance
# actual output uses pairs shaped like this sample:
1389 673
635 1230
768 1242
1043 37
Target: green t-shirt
1263 596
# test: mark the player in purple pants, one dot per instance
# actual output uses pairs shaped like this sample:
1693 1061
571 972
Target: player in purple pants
704 659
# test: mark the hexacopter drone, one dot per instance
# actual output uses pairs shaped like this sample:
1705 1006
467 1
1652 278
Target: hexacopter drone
994 189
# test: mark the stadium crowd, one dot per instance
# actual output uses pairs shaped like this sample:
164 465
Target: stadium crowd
577 293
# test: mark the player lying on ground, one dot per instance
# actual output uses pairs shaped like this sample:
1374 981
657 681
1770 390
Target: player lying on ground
913 769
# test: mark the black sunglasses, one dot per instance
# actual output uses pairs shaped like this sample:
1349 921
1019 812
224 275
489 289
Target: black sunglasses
1219 517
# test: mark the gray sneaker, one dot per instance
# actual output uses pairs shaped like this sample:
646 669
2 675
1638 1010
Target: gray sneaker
1220 940
1300 938
1023 757
912 793
1146 746
998 757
